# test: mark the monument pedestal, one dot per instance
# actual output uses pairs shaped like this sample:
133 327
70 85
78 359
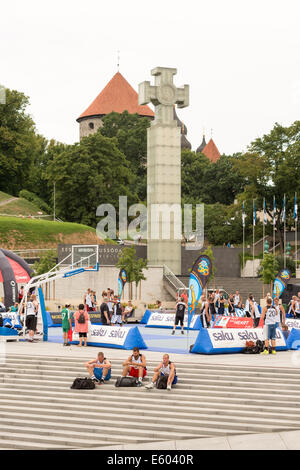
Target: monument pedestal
164 169
164 196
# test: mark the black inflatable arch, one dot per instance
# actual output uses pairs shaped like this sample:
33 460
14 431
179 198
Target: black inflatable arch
10 286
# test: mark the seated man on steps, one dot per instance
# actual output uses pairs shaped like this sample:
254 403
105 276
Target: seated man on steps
135 366
165 368
99 369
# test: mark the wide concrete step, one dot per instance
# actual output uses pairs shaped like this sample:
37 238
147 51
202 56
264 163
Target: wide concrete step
38 410
139 393
79 362
68 406
184 375
188 380
148 419
193 389
60 439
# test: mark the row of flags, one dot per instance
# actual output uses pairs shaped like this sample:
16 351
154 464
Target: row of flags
283 217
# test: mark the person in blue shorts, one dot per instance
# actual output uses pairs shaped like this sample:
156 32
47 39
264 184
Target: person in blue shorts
99 369
165 368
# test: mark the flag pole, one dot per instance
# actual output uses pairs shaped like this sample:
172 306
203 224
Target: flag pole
296 234
253 234
284 236
274 227
243 223
264 229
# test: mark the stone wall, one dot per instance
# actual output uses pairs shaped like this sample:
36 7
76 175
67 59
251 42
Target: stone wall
85 129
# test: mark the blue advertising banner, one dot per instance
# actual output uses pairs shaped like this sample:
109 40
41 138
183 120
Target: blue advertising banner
199 276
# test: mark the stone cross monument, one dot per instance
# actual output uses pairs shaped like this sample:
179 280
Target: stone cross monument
164 169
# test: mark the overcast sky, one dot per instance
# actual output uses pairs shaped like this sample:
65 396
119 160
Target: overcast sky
240 57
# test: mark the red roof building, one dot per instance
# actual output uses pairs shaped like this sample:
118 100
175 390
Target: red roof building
211 151
118 96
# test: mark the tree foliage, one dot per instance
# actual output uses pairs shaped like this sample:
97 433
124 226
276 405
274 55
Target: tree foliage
133 266
18 143
88 174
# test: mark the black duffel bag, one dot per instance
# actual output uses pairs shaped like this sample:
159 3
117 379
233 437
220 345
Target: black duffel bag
162 382
126 382
83 384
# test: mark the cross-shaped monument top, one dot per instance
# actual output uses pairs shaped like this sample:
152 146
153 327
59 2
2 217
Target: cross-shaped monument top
164 94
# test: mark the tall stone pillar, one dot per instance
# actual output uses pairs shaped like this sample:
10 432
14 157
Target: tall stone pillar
164 169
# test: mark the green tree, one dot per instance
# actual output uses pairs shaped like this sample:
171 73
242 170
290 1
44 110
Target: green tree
19 143
47 261
208 182
87 174
130 131
268 269
133 266
271 167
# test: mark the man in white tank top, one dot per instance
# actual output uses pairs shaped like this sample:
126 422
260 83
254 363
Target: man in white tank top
135 366
280 310
272 320
165 368
31 308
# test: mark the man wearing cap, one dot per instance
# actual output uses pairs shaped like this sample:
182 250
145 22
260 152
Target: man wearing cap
66 323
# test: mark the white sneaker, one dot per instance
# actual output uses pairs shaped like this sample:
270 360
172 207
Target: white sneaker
169 387
150 385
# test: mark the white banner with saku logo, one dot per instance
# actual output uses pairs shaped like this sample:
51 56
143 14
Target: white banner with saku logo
166 320
292 323
225 340
236 338
113 336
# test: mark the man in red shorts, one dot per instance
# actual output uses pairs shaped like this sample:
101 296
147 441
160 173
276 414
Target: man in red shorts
135 366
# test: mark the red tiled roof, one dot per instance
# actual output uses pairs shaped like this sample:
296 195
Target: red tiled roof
211 151
118 96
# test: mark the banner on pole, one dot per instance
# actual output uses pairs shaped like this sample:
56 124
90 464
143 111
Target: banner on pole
199 276
281 282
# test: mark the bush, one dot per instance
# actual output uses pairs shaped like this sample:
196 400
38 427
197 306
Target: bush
31 197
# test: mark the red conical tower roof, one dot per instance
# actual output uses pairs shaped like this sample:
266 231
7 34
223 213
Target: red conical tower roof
211 151
118 96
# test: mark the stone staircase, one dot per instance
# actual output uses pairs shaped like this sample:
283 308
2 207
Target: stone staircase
38 410
231 284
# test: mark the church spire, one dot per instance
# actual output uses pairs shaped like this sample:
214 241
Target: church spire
203 144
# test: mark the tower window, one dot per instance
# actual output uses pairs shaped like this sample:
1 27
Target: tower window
91 125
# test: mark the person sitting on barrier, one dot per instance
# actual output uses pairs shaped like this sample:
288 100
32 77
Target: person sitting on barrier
165 368
99 369
135 366
104 309
179 317
127 311
272 319
81 318
280 310
296 306
205 313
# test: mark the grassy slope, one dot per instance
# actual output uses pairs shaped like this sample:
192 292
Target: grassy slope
19 206
32 233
